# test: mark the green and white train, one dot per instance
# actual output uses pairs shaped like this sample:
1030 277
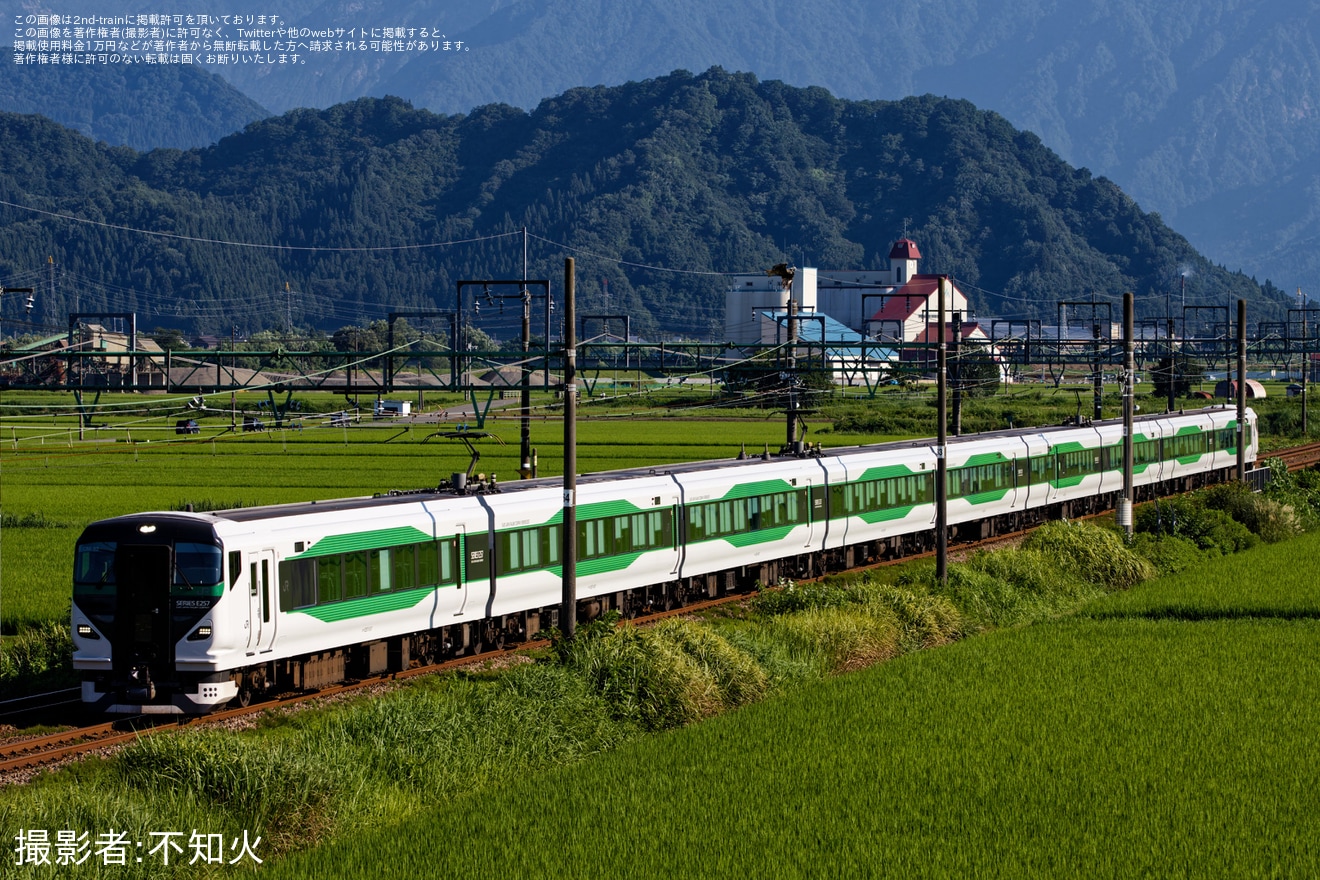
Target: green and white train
186 612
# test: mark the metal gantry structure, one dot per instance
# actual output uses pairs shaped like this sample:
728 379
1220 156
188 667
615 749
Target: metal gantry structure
1084 345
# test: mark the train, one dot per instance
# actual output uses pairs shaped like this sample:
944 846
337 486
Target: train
185 613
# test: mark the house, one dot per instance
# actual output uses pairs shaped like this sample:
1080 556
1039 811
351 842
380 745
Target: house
895 304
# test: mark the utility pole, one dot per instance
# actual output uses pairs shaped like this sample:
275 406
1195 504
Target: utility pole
957 373
1242 390
568 604
941 448
525 427
1174 376
1098 377
526 382
233 366
791 435
1129 378
1306 355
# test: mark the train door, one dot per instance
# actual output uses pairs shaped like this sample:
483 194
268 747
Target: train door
261 616
811 515
143 573
474 567
676 541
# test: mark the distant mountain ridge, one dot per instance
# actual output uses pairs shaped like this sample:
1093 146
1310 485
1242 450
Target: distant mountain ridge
1207 111
657 187
141 106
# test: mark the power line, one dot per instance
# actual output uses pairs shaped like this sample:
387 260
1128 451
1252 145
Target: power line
249 244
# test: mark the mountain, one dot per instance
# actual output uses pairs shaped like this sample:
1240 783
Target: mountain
655 187
141 106
1206 111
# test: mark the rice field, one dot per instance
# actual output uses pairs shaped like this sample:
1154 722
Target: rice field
1168 731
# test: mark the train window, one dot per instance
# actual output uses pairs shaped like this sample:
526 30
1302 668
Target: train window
515 552
531 548
403 567
297 583
525 550
94 564
327 579
252 580
696 522
592 539
378 570
733 517
448 551
235 566
197 565
355 575
428 565
265 591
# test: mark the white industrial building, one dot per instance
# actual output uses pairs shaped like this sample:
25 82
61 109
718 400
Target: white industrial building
897 304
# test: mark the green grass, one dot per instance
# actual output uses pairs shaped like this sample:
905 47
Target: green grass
1150 734
1169 732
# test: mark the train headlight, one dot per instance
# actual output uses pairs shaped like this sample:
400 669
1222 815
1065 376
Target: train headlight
202 632
85 631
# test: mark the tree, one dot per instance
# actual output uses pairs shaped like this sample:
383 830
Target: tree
978 371
1181 371
169 338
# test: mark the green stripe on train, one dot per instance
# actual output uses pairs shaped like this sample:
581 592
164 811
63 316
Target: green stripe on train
886 472
983 497
889 514
595 510
760 536
599 565
761 487
373 540
333 612
983 458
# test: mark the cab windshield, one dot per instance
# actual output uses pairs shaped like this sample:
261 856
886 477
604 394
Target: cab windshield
195 565
94 564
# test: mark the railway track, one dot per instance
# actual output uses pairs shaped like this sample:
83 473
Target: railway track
34 703
1299 458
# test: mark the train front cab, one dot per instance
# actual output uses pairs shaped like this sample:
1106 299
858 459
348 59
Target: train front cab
145 593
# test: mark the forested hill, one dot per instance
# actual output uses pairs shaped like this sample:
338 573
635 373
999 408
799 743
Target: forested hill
140 106
655 187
